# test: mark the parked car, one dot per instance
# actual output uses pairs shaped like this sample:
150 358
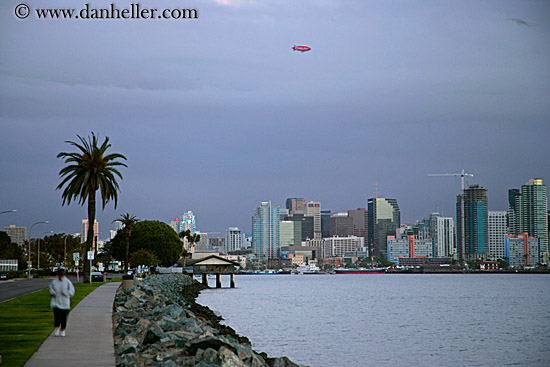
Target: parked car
97 276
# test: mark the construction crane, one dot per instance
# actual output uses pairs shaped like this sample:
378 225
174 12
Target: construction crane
462 175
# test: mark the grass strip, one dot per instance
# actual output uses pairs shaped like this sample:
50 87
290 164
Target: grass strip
26 321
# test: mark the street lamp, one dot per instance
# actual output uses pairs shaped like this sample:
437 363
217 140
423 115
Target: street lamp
29 241
9 211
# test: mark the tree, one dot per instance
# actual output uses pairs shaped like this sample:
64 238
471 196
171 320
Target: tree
192 238
127 221
11 251
87 171
143 257
152 235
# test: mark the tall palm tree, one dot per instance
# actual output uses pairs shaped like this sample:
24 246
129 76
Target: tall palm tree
88 170
192 238
127 221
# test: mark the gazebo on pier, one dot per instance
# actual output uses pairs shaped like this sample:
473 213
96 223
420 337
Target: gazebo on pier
213 264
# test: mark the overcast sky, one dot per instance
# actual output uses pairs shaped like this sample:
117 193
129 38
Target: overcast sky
218 114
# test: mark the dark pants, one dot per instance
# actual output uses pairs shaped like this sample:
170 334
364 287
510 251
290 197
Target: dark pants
60 317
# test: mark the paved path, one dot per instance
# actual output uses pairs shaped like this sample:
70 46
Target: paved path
89 340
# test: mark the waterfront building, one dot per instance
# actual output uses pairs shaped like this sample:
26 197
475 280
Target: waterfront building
313 209
84 233
476 234
17 234
513 211
265 231
521 250
533 212
341 225
444 237
233 239
384 218
337 246
497 232
360 218
325 223
408 247
296 206
290 233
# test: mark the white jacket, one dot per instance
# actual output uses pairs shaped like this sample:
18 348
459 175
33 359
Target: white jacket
61 291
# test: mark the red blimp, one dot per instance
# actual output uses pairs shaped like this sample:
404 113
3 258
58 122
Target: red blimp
301 48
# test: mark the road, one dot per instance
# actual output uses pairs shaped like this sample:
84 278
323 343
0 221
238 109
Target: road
11 289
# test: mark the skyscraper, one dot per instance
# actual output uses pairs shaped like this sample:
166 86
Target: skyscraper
265 231
341 224
476 235
533 217
497 232
384 218
233 239
444 237
325 223
360 222
313 209
84 233
188 222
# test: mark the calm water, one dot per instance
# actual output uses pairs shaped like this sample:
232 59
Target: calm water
392 320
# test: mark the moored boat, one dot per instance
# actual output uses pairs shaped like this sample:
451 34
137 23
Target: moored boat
360 271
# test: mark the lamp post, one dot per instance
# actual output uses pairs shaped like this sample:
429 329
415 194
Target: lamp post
29 241
65 253
9 211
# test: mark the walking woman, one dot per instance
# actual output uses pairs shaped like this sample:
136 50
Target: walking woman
61 290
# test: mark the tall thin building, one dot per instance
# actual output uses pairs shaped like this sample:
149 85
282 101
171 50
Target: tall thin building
325 223
313 209
497 232
360 222
444 237
265 231
233 239
533 217
476 226
188 222
384 218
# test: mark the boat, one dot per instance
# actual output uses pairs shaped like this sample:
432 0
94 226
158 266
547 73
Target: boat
360 271
309 269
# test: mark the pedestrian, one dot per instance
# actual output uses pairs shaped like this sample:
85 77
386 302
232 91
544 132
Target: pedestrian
61 290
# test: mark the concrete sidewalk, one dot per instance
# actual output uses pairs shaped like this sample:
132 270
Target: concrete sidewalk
89 340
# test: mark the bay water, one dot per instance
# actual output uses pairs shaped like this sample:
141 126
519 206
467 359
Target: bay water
391 319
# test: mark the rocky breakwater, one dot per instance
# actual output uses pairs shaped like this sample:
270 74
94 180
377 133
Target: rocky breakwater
158 323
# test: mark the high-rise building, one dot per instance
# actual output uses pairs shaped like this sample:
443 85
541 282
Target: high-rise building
84 233
290 233
233 239
325 223
296 205
513 211
476 235
384 218
360 218
306 225
521 250
17 234
444 237
188 222
533 213
203 245
497 232
265 231
313 209
176 225
341 225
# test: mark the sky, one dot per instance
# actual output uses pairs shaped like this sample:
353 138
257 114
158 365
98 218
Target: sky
217 114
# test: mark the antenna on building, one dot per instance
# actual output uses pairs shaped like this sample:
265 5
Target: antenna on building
376 192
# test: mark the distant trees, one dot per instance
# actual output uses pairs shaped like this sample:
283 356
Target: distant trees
155 236
11 251
88 170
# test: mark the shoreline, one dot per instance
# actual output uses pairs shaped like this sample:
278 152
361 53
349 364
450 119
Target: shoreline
159 323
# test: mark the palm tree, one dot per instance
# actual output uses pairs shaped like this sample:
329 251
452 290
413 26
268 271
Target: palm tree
192 239
127 221
88 170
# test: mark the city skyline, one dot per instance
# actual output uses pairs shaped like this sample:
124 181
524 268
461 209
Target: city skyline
218 114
